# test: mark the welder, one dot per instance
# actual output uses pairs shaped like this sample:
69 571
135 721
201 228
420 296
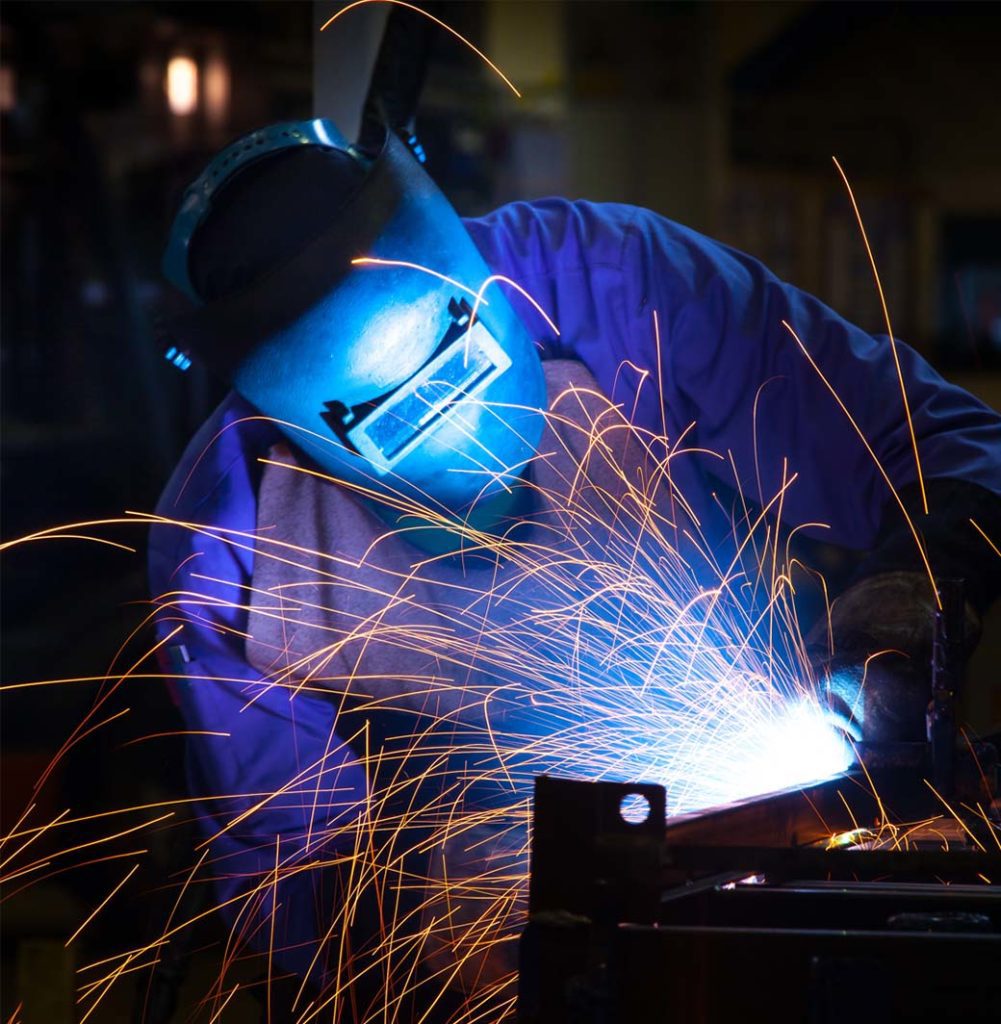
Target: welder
369 373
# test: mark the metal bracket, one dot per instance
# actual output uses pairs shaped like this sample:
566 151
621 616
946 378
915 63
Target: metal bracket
591 858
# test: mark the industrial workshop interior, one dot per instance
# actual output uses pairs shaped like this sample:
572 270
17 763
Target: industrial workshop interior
501 512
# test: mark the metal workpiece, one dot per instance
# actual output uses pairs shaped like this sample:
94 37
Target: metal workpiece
814 975
614 869
796 906
793 817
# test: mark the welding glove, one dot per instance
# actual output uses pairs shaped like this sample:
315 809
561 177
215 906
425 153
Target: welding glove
874 652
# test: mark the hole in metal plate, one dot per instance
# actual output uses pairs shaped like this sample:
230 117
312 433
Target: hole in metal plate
634 808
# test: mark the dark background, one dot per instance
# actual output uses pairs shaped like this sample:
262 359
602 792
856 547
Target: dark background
724 116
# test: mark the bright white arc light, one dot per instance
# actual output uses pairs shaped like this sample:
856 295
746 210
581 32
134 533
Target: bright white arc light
182 85
795 748
750 746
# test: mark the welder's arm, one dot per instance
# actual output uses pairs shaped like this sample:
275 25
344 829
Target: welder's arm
753 390
269 773
731 371
728 347
730 368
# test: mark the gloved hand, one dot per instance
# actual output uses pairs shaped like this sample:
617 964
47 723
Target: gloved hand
874 655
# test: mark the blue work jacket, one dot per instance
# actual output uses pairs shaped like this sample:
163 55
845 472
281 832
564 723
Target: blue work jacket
727 381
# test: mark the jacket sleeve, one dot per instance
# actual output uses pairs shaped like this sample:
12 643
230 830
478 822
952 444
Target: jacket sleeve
728 365
269 774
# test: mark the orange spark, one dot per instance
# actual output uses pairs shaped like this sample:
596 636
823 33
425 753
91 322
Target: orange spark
374 261
90 917
889 331
993 546
448 28
172 732
875 459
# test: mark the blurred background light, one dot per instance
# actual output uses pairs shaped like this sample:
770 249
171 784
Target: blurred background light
8 89
215 89
182 85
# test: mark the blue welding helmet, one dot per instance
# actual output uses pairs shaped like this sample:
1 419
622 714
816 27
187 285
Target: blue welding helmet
376 371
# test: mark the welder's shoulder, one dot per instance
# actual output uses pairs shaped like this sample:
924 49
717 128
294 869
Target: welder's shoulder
550 236
215 482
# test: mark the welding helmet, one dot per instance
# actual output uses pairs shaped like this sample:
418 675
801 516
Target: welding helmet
357 335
